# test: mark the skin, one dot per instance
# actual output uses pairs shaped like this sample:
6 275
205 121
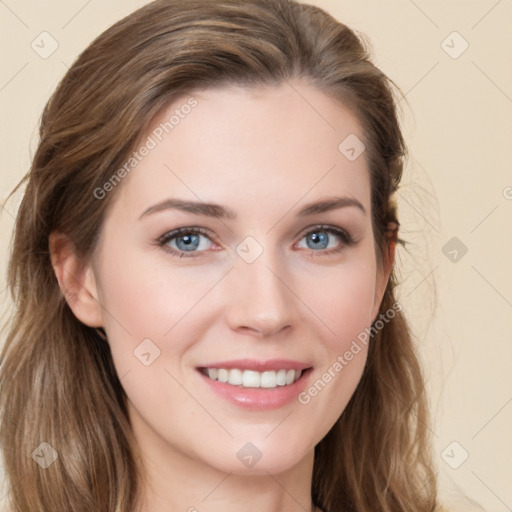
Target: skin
264 153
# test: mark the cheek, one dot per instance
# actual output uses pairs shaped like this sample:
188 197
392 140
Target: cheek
343 301
143 298
150 310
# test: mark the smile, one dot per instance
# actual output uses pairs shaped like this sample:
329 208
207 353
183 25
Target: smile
256 385
253 379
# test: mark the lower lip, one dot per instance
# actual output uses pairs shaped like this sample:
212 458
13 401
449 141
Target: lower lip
258 399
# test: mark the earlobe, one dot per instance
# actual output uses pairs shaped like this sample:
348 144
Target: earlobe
76 280
390 256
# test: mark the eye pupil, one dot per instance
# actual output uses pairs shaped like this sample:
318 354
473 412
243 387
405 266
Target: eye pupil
188 240
319 238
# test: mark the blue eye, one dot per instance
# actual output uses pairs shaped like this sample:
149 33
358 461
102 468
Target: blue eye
319 237
188 240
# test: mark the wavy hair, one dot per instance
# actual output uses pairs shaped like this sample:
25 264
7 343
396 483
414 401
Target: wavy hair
57 377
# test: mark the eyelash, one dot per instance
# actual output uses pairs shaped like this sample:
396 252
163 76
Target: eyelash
166 238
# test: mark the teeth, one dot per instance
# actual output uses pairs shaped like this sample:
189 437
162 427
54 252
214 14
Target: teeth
268 379
281 378
253 379
235 377
222 375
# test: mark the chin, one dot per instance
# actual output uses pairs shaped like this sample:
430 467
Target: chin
258 457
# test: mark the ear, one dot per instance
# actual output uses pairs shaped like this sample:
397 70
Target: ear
76 280
383 274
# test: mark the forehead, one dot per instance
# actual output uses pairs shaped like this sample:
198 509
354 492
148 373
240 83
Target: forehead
243 146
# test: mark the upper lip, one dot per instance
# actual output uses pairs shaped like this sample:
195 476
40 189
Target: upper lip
259 366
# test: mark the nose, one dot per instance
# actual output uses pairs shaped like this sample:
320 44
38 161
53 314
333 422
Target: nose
260 298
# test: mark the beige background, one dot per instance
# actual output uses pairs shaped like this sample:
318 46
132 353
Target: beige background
458 183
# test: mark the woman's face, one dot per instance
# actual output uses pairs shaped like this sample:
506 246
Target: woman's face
269 285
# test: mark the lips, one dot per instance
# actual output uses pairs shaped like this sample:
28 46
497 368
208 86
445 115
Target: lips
258 366
256 385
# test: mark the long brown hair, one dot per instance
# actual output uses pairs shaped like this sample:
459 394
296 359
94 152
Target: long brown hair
58 381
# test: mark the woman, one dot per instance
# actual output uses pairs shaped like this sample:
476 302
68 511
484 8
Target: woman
203 277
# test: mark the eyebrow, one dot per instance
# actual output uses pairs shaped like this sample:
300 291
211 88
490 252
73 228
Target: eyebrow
222 212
